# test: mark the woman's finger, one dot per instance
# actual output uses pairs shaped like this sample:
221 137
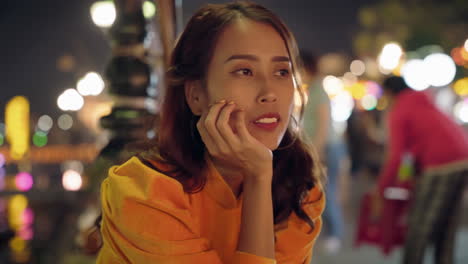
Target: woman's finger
206 138
241 127
225 128
209 123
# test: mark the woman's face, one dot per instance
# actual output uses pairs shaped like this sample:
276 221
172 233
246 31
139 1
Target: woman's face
251 66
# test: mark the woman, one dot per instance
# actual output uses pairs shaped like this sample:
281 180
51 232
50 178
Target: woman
440 150
230 180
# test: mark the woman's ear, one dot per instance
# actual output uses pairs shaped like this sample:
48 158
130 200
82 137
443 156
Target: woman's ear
195 96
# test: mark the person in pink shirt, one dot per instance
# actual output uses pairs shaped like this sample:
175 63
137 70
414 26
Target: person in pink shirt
439 148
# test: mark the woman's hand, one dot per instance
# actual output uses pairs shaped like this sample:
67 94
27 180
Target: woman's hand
222 127
234 147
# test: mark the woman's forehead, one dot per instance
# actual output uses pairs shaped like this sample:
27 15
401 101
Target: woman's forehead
245 36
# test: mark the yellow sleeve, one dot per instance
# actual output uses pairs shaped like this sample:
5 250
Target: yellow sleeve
146 220
294 244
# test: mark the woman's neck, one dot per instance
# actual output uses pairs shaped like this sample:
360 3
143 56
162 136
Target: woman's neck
231 176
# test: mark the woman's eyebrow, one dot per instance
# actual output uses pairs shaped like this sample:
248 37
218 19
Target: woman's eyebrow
280 59
255 58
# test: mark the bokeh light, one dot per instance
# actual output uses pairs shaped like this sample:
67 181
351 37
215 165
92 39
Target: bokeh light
390 56
414 74
40 139
65 121
466 45
74 165
358 67
456 56
17 244
45 123
103 13
149 9
28 216
374 89
349 79
372 68
464 54
26 233
150 134
342 106
70 100
332 85
440 69
91 84
151 105
2 160
461 87
460 111
369 102
24 181
17 204
358 90
17 126
71 180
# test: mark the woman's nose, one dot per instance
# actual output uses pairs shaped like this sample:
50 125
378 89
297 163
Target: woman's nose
267 93
268 97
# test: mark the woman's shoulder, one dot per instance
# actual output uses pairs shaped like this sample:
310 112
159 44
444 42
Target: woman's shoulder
135 196
313 205
314 202
135 179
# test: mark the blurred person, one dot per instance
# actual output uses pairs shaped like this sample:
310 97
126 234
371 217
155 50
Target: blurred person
229 180
318 125
364 142
440 151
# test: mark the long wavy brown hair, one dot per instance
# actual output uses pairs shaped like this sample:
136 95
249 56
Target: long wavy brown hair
179 144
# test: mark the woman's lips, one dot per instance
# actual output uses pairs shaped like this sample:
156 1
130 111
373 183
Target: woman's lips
269 121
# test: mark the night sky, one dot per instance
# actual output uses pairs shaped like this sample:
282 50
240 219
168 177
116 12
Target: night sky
34 34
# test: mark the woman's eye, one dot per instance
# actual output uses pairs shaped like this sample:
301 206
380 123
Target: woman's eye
282 73
244 71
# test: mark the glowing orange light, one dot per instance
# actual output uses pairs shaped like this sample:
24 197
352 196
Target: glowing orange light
464 54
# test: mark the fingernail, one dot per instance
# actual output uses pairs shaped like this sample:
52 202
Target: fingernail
231 103
222 101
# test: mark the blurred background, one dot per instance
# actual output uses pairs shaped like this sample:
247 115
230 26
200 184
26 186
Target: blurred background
80 80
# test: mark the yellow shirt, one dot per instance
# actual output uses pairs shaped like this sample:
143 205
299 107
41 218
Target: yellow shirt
149 219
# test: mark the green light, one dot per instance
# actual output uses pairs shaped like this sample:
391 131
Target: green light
127 114
40 139
149 9
2 139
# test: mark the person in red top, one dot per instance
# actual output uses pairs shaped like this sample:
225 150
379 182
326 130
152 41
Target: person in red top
439 148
